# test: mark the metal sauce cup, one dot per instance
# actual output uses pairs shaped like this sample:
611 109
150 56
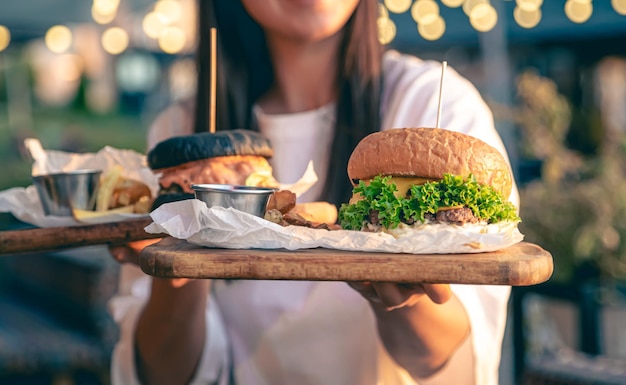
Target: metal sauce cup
59 193
252 200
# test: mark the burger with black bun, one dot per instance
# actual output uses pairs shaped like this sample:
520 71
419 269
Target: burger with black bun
411 178
237 157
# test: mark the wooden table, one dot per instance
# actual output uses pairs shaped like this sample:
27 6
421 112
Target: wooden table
522 264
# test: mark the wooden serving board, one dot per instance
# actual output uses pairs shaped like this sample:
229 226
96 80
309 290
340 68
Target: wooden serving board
520 265
57 238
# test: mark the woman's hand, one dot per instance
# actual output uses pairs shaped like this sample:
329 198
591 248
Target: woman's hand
129 253
397 295
420 325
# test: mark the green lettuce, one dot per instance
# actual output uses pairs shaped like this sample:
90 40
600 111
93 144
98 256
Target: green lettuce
379 195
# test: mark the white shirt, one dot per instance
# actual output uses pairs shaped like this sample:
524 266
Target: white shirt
297 332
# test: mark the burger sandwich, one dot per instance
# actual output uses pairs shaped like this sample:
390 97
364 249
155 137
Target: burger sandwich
237 157
411 178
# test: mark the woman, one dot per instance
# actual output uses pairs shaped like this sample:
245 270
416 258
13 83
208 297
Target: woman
312 77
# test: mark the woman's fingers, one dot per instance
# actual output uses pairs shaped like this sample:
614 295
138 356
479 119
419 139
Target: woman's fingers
394 296
137 246
438 293
129 252
179 282
124 254
366 289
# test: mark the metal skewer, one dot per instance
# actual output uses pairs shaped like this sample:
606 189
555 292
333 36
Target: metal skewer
213 69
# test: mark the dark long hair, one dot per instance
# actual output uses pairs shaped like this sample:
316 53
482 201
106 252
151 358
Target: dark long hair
245 73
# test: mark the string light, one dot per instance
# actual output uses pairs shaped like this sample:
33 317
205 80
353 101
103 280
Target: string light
5 37
169 11
172 40
152 25
386 30
382 10
398 6
102 18
526 18
433 30
104 11
578 11
528 5
424 11
115 40
483 17
58 39
452 3
619 6
470 4
105 7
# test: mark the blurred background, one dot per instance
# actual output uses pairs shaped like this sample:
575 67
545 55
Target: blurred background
81 75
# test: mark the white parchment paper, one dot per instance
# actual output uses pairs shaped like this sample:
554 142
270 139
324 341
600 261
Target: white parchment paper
222 227
24 203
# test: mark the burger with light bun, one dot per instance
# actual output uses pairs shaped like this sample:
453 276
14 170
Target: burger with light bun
407 178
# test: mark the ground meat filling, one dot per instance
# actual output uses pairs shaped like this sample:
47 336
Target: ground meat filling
457 216
220 170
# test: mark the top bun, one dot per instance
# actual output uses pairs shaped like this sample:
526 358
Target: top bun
182 149
429 153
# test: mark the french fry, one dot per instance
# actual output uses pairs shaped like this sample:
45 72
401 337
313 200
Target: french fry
143 205
261 179
107 185
79 214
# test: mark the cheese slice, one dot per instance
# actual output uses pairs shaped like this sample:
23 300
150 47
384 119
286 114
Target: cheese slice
403 184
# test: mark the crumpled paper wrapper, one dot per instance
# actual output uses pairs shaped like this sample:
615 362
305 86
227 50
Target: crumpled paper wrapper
229 228
24 203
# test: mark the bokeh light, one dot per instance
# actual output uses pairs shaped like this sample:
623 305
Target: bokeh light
105 7
452 3
398 6
5 37
432 31
172 40
424 11
619 6
529 5
115 40
153 25
168 10
578 11
58 39
526 18
102 18
386 30
483 17
382 10
470 4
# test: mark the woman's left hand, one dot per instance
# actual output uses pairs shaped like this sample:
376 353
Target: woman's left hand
398 295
